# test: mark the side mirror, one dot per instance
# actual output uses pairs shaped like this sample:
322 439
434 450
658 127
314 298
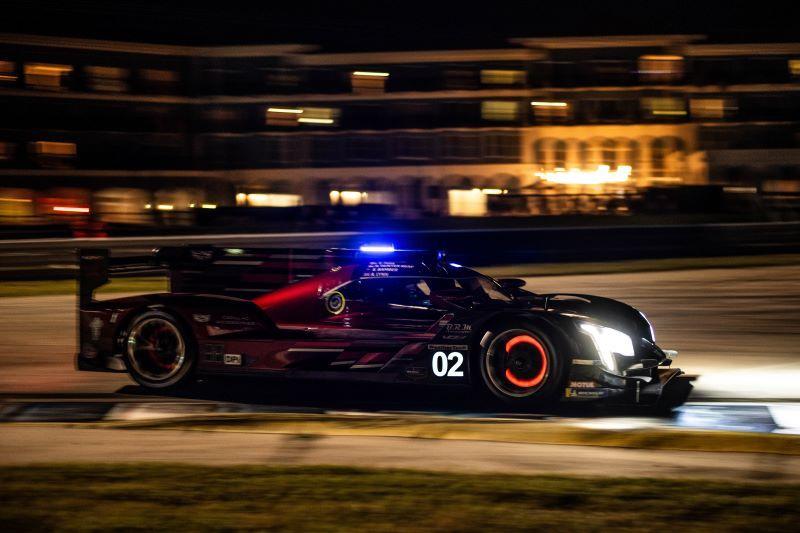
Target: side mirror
511 283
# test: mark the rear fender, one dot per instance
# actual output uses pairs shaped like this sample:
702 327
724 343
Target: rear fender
206 316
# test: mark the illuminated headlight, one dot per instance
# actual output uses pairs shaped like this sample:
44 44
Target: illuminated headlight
608 341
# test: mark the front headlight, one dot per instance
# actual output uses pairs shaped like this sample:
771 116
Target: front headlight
608 341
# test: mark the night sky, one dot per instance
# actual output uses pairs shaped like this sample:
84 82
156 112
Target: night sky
376 25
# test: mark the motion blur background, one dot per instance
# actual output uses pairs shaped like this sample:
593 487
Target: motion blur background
126 118
552 141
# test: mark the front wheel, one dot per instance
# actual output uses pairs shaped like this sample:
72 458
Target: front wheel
520 365
158 351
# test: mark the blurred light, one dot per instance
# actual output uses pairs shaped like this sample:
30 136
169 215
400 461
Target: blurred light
471 203
66 209
316 120
55 148
492 191
348 197
148 206
191 205
675 112
548 104
165 207
377 248
368 73
208 206
502 77
284 110
20 200
241 198
456 265
272 200
746 190
661 58
575 176
352 197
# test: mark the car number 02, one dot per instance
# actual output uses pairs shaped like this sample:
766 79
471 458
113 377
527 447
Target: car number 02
448 365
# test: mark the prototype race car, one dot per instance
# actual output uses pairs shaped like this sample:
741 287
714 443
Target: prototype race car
375 314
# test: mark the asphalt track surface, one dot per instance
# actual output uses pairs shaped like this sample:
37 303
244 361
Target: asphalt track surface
31 444
735 328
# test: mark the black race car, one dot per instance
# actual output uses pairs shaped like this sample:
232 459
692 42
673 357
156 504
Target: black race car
375 314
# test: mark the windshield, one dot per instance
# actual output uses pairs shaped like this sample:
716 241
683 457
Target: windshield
476 286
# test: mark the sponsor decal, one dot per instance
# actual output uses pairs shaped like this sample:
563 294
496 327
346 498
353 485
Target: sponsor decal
335 302
584 393
586 362
213 331
234 359
449 347
202 319
456 327
202 255
383 269
231 320
416 372
582 384
96 326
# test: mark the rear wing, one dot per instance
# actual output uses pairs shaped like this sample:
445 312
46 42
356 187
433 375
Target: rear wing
239 272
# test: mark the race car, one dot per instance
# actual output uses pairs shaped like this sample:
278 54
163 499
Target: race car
374 313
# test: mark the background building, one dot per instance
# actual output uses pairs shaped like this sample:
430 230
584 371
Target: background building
137 132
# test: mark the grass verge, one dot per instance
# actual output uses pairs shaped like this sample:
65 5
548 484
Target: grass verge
641 265
69 286
155 284
431 427
133 497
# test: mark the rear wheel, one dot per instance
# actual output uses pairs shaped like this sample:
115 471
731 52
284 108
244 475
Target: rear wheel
158 351
520 365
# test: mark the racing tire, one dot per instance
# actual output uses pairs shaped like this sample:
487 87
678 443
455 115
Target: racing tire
159 351
520 365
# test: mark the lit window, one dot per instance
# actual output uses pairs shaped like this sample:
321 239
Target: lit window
660 68
54 154
8 71
47 76
292 116
7 150
500 111
665 106
159 75
466 203
107 79
321 116
550 110
348 197
158 80
502 77
794 67
283 116
55 148
269 199
712 107
368 82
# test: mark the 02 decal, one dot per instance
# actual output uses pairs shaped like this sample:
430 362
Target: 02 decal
448 365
